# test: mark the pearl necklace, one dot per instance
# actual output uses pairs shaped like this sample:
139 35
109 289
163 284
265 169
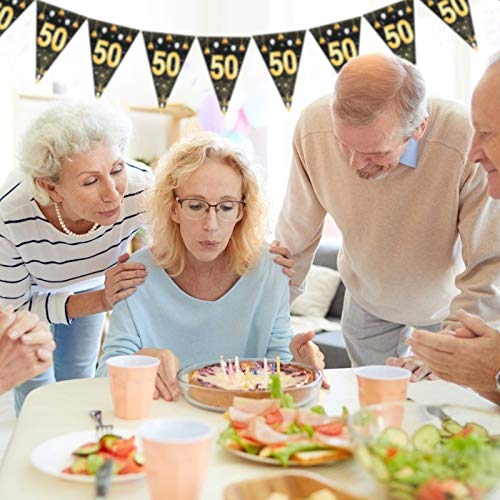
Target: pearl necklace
68 231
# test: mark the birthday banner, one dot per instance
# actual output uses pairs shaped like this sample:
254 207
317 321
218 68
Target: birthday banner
224 55
166 54
339 41
281 53
10 10
456 14
395 24
55 28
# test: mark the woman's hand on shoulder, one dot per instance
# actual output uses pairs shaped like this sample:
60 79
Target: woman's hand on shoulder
166 385
122 280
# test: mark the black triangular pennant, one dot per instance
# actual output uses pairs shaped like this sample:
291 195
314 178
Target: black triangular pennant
339 41
109 44
456 14
281 53
224 57
10 10
166 54
396 26
55 27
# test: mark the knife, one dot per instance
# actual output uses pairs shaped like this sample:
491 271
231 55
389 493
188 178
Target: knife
103 480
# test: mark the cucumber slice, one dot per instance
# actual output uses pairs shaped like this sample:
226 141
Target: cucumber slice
404 473
364 457
93 463
426 438
452 426
401 487
401 495
108 440
79 466
87 449
393 437
477 430
380 470
138 458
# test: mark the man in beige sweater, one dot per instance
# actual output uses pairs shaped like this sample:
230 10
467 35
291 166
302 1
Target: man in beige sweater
472 356
390 166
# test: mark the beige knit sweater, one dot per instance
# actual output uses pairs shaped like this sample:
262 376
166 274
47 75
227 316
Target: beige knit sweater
407 236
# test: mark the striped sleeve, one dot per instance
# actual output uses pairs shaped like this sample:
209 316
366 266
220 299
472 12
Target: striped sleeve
16 286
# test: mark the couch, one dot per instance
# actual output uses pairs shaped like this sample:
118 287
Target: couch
331 342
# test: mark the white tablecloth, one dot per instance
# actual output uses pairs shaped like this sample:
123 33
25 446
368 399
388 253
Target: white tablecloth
63 407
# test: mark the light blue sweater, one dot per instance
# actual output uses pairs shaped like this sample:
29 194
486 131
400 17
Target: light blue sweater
251 320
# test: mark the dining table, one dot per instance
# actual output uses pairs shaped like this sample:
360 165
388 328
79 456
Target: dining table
63 407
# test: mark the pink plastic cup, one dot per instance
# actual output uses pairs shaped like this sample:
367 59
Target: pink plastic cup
176 453
381 383
132 380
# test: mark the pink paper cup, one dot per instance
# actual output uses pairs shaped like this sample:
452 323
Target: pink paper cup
176 453
132 380
381 383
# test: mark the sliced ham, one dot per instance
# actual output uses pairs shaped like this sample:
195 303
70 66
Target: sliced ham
341 442
255 406
307 417
236 415
289 416
263 433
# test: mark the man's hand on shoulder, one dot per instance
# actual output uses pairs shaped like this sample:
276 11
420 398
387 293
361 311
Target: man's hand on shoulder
284 259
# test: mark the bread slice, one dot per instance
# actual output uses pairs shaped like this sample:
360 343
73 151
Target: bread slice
319 456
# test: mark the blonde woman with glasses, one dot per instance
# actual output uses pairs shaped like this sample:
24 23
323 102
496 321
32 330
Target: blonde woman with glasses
212 288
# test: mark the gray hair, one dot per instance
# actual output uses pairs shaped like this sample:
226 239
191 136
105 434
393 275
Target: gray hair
371 84
64 130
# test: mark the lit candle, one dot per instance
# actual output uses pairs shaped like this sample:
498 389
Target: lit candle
230 371
237 366
266 375
278 364
223 368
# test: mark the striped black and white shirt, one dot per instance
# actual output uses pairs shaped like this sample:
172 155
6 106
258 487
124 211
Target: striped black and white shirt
40 267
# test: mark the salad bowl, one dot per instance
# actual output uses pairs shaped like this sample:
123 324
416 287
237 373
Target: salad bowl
420 453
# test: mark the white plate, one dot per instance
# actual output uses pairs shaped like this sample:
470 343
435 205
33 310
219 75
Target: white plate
53 455
274 461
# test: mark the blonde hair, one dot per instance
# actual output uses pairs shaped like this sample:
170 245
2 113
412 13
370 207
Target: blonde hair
246 243
371 84
65 129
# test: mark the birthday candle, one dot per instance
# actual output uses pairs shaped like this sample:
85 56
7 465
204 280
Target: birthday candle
230 371
223 368
278 364
237 366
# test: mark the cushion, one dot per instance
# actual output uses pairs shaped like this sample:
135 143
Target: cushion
320 288
337 302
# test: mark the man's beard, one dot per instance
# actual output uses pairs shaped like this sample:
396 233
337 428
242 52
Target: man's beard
373 175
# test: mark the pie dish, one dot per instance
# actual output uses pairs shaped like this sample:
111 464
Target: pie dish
214 384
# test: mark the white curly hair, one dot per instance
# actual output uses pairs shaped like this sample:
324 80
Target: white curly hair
64 130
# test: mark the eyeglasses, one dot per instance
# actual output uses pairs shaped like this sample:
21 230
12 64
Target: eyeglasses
198 209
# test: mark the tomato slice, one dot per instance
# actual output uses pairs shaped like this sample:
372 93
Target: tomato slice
130 467
123 447
273 417
239 425
333 429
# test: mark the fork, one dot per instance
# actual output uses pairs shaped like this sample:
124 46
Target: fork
100 428
435 411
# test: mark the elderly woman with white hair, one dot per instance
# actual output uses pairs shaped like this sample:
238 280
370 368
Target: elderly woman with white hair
66 219
212 289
